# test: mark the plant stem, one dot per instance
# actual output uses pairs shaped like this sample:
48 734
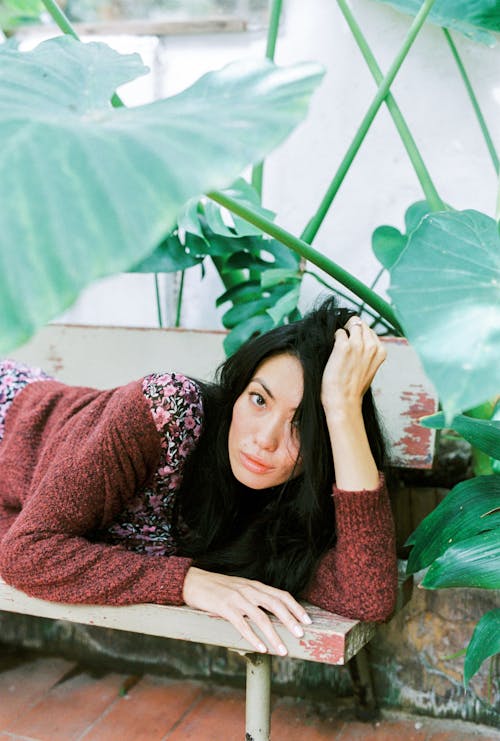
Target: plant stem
314 224
473 100
179 300
158 302
421 171
62 20
309 253
272 35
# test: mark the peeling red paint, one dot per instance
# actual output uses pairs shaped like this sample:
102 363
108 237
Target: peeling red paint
416 443
329 649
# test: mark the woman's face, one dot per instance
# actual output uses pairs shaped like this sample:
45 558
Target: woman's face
263 440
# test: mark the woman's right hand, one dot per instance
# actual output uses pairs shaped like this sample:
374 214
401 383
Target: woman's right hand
238 600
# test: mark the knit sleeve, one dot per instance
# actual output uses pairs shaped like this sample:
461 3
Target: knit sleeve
104 454
358 577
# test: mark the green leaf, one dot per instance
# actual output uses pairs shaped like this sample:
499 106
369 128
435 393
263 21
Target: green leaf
482 433
189 218
466 16
241 292
446 290
241 312
285 306
388 244
485 642
283 256
88 190
244 193
278 276
414 215
473 562
169 257
240 334
462 514
214 220
242 259
15 12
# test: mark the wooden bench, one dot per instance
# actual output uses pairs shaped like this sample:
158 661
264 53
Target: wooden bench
107 356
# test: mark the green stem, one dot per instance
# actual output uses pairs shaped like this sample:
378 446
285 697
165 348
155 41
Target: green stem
272 35
272 32
158 302
62 20
179 301
314 224
473 100
309 253
430 192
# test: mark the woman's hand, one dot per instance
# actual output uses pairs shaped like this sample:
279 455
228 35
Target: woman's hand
237 599
356 356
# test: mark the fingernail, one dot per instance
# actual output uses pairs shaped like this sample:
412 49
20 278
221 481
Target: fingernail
298 631
306 619
262 648
282 650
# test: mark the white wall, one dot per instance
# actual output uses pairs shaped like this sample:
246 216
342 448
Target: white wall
381 183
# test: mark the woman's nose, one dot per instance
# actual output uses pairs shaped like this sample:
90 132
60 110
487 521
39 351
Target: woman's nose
267 435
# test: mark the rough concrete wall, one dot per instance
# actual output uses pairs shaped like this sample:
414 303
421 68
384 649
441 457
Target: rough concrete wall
410 663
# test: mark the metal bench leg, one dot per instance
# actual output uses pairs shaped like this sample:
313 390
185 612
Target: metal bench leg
258 706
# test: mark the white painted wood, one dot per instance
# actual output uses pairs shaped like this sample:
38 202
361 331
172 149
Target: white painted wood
109 356
331 639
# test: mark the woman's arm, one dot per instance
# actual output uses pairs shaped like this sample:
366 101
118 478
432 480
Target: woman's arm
357 578
90 468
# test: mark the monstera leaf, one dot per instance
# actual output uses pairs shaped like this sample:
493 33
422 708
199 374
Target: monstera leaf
87 190
469 17
446 291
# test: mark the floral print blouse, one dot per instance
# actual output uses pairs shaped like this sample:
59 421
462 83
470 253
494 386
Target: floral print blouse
146 525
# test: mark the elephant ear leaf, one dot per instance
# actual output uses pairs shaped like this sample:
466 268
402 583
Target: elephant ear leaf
474 18
88 190
446 291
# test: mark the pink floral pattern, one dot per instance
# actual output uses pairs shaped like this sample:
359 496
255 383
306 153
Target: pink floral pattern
14 377
146 524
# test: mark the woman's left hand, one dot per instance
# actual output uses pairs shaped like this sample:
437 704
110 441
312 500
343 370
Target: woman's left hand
356 356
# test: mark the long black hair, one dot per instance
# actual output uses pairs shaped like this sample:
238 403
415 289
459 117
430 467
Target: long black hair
276 535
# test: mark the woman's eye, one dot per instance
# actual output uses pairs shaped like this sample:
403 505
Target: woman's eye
258 399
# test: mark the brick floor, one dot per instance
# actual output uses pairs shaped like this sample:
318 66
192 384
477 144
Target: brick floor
50 699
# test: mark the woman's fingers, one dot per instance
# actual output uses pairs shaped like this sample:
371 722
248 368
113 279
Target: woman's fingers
237 599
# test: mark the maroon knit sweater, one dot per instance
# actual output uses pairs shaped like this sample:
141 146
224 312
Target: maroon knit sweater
73 457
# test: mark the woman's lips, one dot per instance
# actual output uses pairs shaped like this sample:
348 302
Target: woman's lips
253 464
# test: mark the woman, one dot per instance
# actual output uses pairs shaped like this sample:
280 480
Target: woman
219 496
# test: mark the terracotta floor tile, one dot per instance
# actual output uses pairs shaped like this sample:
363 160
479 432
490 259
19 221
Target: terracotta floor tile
69 708
220 716
148 711
22 685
